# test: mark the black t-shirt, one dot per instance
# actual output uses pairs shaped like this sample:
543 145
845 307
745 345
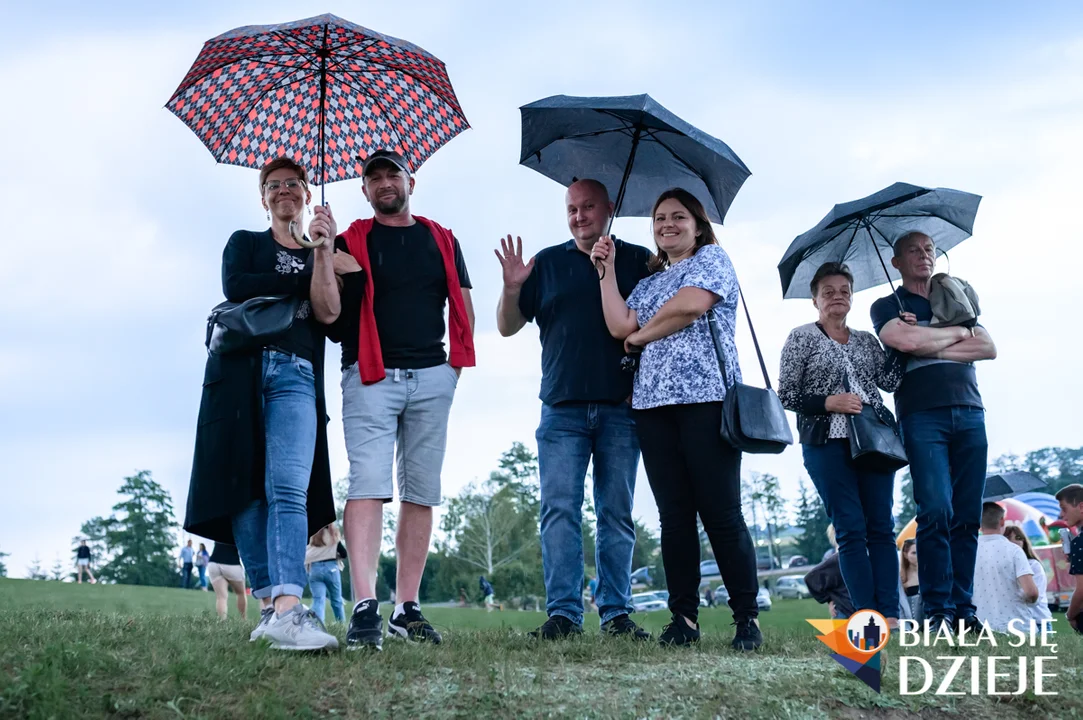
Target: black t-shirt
1075 554
83 552
929 382
409 296
300 338
225 554
580 359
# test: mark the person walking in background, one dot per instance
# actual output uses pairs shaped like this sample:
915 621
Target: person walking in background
187 556
829 371
677 400
585 416
399 272
201 559
943 429
261 475
908 577
487 593
225 572
323 561
1040 610
82 563
1004 587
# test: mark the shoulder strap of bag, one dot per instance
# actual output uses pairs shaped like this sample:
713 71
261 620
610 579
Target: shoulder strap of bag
755 341
713 324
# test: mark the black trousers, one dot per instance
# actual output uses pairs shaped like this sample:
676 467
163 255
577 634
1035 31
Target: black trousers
693 471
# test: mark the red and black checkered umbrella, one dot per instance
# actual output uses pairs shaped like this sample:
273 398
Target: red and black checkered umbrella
317 88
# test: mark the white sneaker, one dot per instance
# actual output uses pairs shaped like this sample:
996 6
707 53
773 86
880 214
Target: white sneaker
265 616
299 629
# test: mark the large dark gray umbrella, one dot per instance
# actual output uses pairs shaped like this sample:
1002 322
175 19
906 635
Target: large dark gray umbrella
633 145
862 234
1010 484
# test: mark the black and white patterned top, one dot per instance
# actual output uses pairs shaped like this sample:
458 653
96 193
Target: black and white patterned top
682 368
814 366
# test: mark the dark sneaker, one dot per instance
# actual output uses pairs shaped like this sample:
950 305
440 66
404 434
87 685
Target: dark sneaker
970 626
556 627
366 627
299 629
412 625
265 616
677 632
622 626
748 636
937 622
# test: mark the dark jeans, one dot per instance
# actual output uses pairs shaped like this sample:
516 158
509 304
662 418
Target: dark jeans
569 438
948 449
186 576
859 504
691 470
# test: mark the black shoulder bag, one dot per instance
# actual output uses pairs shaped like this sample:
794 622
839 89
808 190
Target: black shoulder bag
875 446
753 420
234 327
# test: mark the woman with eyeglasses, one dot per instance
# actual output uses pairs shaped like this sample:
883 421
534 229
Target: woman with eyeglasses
261 477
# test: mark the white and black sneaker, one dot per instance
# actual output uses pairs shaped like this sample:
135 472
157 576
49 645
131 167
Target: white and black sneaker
366 627
410 624
265 616
299 629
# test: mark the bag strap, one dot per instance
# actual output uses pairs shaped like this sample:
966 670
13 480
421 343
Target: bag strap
715 336
755 341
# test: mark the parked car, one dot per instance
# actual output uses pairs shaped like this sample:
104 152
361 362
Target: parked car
792 586
642 576
708 570
650 601
766 562
797 561
763 599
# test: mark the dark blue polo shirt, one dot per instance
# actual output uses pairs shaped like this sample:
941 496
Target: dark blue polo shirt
580 359
928 383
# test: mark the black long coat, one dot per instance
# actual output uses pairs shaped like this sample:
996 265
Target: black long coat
228 466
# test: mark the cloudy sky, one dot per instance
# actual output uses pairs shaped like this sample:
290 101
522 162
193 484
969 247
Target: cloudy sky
119 215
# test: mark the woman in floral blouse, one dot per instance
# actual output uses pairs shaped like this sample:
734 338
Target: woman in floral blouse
677 403
828 372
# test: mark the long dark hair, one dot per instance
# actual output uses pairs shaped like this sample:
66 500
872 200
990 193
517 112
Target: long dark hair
904 563
1017 532
706 235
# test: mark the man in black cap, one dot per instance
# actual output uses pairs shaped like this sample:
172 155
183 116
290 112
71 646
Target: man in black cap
398 272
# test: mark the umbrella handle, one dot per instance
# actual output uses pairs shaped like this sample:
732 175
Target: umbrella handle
298 236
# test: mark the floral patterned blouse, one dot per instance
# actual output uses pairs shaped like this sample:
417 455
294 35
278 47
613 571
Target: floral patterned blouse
682 368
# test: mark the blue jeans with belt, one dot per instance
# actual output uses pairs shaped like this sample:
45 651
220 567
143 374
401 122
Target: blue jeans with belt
948 449
325 581
571 436
859 504
271 534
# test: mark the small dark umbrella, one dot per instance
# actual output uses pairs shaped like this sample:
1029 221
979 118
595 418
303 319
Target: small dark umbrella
631 144
1010 484
862 234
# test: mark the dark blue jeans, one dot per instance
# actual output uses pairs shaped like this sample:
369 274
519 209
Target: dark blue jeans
948 450
569 437
859 504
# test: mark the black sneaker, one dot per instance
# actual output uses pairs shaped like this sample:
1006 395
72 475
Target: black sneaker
412 625
748 636
622 626
970 625
366 627
556 627
938 622
677 632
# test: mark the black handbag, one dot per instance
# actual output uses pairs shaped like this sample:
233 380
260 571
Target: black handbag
753 420
875 445
234 327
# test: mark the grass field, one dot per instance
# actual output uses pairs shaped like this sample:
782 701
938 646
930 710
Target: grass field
73 651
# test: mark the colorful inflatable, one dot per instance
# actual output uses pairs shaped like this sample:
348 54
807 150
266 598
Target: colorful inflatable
1018 513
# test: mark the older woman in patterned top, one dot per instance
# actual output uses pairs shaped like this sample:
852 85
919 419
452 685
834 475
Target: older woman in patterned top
677 404
828 372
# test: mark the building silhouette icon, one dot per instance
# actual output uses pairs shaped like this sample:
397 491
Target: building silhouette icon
870 638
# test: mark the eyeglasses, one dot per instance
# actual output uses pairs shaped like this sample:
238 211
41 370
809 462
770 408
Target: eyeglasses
291 184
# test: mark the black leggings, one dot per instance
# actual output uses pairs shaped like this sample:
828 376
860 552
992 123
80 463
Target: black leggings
692 470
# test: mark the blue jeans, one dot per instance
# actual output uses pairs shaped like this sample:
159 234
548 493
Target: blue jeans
186 575
569 437
859 504
271 534
948 450
325 581
202 576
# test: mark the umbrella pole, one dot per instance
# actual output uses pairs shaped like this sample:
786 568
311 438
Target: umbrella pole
321 165
880 257
624 179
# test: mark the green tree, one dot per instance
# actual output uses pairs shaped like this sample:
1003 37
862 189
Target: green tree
139 536
3 567
58 573
1057 466
35 572
646 548
767 495
813 521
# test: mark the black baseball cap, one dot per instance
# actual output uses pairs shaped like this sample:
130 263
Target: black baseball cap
385 156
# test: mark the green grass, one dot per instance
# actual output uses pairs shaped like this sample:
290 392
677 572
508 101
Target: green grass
69 651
